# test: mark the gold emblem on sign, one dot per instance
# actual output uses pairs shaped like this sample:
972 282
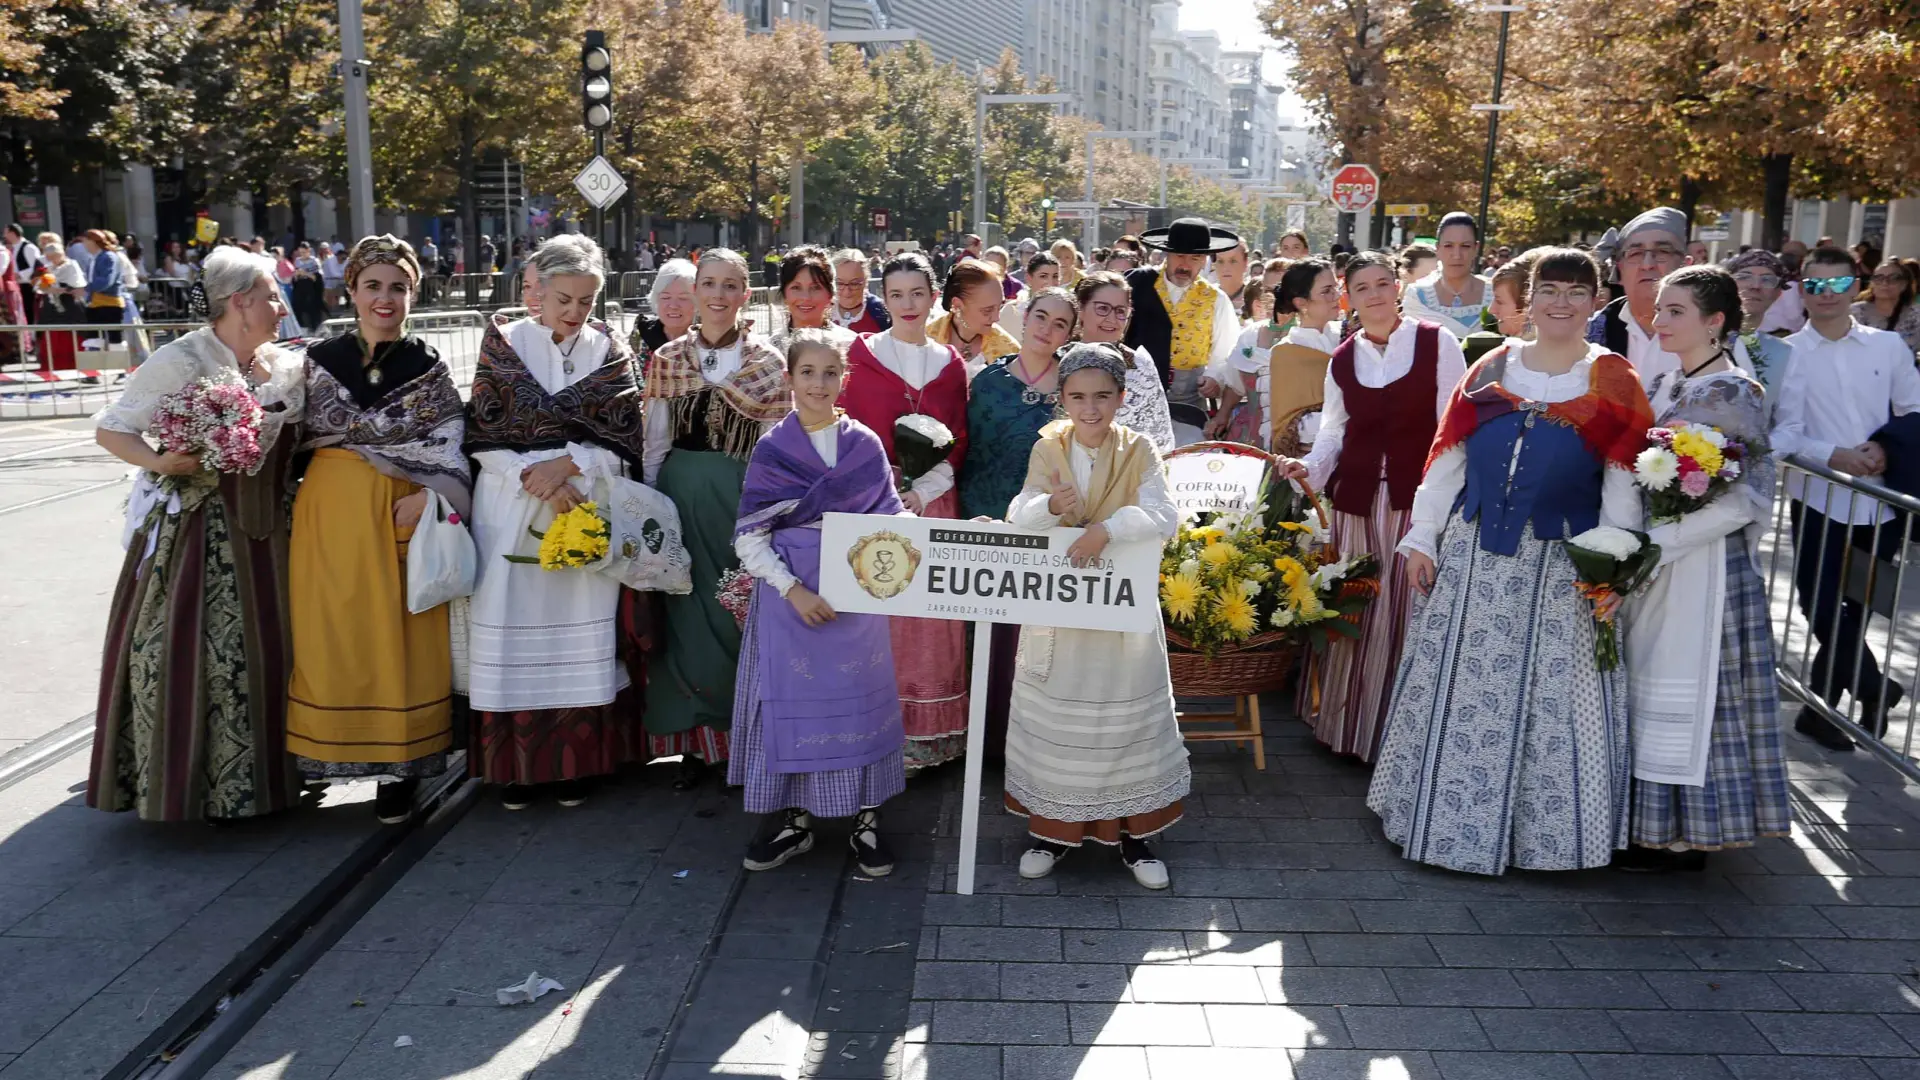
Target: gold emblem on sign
884 564
1214 465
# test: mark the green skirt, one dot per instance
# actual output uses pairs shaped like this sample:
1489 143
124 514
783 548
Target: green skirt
690 675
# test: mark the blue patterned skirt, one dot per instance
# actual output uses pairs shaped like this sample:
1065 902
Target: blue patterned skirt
1504 745
1745 796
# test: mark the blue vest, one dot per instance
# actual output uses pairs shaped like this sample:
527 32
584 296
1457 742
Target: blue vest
1555 481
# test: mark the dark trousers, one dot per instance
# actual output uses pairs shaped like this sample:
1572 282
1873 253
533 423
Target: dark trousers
1823 548
107 316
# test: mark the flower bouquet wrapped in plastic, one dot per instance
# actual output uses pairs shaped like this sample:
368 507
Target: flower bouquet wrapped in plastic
919 443
735 593
219 422
1685 466
1610 562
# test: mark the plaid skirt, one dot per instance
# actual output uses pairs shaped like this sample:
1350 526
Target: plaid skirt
1745 796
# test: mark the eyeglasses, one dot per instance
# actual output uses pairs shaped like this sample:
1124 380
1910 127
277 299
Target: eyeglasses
1109 311
1889 279
1764 281
1574 295
1657 253
1820 286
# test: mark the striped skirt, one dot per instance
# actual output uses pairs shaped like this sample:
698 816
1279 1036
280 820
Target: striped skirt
1745 796
1356 675
193 687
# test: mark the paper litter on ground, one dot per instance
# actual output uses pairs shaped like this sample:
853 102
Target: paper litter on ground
522 993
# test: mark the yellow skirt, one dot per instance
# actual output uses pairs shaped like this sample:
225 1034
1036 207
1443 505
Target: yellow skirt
371 681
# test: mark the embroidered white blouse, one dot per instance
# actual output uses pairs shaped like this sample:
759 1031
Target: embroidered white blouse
917 365
547 363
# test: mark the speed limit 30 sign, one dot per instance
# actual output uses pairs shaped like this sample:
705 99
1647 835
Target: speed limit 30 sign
600 183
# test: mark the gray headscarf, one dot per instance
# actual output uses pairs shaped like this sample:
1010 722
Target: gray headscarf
1664 218
1096 355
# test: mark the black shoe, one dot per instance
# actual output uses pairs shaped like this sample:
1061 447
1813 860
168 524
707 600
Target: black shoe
869 848
1821 730
688 774
1876 712
1643 860
516 796
393 803
792 835
571 792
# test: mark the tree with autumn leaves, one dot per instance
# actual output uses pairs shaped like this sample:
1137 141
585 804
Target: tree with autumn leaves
1697 103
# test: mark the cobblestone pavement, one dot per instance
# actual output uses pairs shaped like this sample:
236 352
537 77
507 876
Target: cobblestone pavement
1295 942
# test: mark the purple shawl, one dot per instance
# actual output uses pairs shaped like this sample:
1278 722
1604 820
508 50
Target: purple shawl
827 697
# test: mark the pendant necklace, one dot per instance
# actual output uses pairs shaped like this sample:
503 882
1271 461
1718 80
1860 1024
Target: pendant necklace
367 362
566 354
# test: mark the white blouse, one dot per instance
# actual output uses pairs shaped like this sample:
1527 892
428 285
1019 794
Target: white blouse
1375 368
1447 475
917 365
547 362
1151 517
755 549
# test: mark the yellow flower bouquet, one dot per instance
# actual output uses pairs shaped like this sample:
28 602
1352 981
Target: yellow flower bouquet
577 538
1232 582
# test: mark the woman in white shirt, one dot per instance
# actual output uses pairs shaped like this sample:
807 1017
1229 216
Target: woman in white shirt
1505 744
1709 772
711 393
555 407
896 373
1384 392
1453 295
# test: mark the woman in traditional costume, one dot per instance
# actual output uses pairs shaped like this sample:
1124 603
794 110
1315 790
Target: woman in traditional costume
1093 748
1506 315
1453 296
711 393
1007 405
555 407
1384 392
193 687
1708 769
372 683
806 290
60 302
901 373
816 712
972 298
1106 303
1295 379
1505 744
673 306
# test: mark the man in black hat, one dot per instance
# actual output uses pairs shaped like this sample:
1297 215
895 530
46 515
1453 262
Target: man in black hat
1183 321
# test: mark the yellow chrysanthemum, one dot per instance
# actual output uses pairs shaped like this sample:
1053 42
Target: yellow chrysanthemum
1218 553
1695 446
1180 595
1236 612
576 538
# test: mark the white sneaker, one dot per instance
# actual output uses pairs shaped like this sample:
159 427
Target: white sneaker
1151 873
1038 863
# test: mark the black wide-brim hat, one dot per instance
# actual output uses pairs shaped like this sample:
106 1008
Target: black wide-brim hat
1191 236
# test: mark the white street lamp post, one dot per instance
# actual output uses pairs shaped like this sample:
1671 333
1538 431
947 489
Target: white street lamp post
982 99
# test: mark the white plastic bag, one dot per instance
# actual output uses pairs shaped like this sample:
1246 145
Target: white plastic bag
441 560
645 552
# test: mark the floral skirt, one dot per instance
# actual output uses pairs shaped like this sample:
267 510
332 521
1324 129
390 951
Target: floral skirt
1505 745
193 684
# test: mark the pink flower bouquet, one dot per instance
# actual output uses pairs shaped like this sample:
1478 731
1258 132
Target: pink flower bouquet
217 421
1685 466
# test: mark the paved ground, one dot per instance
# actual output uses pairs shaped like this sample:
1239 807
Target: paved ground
1295 943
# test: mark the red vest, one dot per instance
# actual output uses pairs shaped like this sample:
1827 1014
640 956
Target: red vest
877 397
1389 428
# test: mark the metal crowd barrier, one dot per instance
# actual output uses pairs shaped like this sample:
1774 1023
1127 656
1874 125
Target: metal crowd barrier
73 369
1846 623
455 334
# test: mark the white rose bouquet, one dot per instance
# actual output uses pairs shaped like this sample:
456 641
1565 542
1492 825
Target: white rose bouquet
1611 562
919 443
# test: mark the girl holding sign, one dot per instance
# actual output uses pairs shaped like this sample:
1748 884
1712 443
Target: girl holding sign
816 716
1093 749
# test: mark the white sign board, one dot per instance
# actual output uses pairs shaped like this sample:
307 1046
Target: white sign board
600 183
987 572
1215 482
939 568
1296 216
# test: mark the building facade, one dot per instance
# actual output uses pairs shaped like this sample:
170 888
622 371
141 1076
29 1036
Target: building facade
972 34
1191 106
1098 50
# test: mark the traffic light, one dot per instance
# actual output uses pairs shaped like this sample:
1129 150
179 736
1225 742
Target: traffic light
596 83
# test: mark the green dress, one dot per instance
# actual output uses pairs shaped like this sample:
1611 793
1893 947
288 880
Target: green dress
1004 418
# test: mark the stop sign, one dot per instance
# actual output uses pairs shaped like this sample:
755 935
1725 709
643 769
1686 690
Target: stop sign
1355 187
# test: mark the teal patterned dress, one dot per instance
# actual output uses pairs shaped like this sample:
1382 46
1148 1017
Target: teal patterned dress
1004 418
